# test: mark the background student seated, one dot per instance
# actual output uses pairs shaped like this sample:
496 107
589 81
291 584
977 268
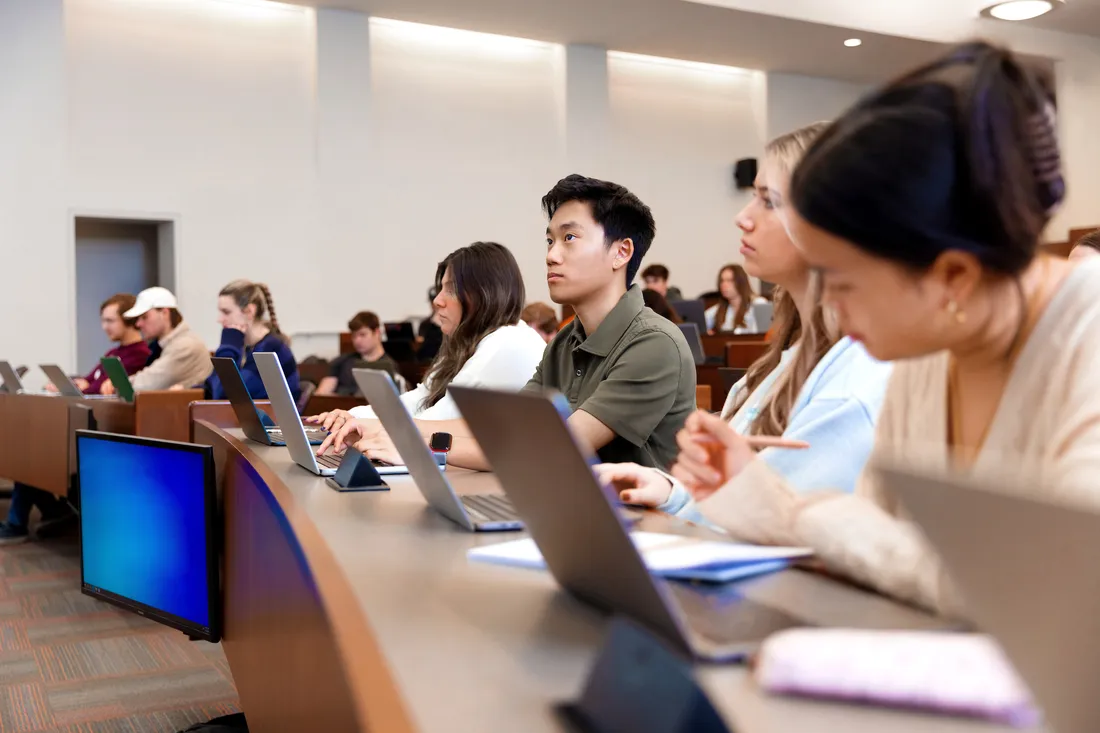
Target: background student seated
132 350
246 313
812 385
370 353
655 277
734 313
660 305
543 319
478 304
924 206
178 355
627 373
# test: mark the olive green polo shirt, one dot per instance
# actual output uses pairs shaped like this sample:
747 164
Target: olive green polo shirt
635 374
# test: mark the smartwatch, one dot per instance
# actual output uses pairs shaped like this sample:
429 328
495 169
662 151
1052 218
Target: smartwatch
440 443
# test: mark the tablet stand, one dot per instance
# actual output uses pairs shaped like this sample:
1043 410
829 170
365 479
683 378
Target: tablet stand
356 473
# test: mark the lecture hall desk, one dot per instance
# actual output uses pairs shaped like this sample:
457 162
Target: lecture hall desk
348 612
36 430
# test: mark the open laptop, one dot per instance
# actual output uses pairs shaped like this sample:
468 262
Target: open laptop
294 433
692 311
65 385
116 372
12 383
695 342
762 313
1026 567
248 415
474 512
583 540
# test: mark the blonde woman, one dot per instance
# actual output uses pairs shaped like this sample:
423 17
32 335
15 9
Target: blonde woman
246 313
810 386
924 206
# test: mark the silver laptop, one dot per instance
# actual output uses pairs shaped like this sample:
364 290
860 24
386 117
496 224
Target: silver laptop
248 416
1026 568
12 383
294 433
586 544
65 385
695 342
762 313
474 512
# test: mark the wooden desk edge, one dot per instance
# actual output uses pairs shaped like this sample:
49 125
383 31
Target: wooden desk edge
378 702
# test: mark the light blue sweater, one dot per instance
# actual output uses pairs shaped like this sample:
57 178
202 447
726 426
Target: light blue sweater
835 413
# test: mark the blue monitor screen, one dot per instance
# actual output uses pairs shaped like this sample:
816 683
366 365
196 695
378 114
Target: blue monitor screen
143 521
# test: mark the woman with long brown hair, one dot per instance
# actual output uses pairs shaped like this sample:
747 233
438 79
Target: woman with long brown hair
734 313
811 385
485 343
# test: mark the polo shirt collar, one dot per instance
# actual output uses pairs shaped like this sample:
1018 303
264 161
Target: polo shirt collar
611 330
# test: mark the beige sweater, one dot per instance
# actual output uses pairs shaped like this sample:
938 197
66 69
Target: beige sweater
184 359
1048 422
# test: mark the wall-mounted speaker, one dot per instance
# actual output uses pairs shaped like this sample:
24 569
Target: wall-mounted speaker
744 173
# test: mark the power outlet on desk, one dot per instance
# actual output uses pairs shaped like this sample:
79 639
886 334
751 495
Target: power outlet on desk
637 684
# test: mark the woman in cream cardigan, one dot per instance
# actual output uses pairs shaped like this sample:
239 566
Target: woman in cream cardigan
923 208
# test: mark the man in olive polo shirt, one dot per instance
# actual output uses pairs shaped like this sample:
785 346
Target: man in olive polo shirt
628 373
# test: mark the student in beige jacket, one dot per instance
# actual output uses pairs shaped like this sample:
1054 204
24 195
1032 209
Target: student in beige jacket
179 355
923 207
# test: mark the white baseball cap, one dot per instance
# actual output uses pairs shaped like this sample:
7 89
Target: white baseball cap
149 299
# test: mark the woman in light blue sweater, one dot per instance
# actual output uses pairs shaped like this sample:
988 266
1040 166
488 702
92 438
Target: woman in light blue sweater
810 386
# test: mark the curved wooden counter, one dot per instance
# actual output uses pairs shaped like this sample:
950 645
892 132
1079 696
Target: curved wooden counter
359 612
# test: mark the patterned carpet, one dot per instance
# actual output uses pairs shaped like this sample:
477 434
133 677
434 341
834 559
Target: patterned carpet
71 664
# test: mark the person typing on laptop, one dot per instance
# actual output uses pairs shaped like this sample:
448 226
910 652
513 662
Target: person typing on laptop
478 304
246 313
131 350
627 373
178 355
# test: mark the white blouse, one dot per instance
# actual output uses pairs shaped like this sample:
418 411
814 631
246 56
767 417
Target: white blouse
505 359
750 326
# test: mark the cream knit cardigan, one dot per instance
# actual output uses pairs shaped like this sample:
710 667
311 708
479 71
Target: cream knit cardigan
1048 423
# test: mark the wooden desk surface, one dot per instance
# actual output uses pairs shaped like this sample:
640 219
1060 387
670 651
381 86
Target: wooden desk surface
474 647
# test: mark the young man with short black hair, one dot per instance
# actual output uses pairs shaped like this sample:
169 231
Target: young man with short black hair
628 373
366 339
655 277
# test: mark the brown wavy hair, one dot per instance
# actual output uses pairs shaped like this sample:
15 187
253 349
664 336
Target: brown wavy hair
814 339
488 283
744 289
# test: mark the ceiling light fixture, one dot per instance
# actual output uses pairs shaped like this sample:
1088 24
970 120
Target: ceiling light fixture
1020 9
853 42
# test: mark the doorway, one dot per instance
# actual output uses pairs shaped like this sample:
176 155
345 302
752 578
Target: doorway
116 256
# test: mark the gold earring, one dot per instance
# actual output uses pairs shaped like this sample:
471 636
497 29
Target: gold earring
954 310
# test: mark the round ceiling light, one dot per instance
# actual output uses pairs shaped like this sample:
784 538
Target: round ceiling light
1021 9
853 42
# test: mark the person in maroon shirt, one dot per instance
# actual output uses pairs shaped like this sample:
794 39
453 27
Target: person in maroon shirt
131 350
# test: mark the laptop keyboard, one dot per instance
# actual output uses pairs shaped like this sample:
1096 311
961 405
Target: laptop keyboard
329 460
494 507
722 614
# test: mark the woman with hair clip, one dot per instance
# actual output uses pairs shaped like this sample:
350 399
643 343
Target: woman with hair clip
809 387
923 206
734 314
246 313
485 343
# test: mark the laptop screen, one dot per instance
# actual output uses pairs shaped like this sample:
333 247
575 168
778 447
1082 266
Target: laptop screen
147 532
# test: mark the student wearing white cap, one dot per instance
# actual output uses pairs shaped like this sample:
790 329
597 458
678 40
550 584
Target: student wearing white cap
178 355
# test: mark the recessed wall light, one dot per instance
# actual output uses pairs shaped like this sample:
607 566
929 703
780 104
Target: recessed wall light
853 42
1020 9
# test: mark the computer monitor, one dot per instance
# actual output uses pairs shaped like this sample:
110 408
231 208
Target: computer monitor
149 533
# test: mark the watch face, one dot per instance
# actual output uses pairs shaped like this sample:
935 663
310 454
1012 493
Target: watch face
441 442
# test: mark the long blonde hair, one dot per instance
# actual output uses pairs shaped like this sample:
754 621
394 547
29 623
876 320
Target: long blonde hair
246 292
814 339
